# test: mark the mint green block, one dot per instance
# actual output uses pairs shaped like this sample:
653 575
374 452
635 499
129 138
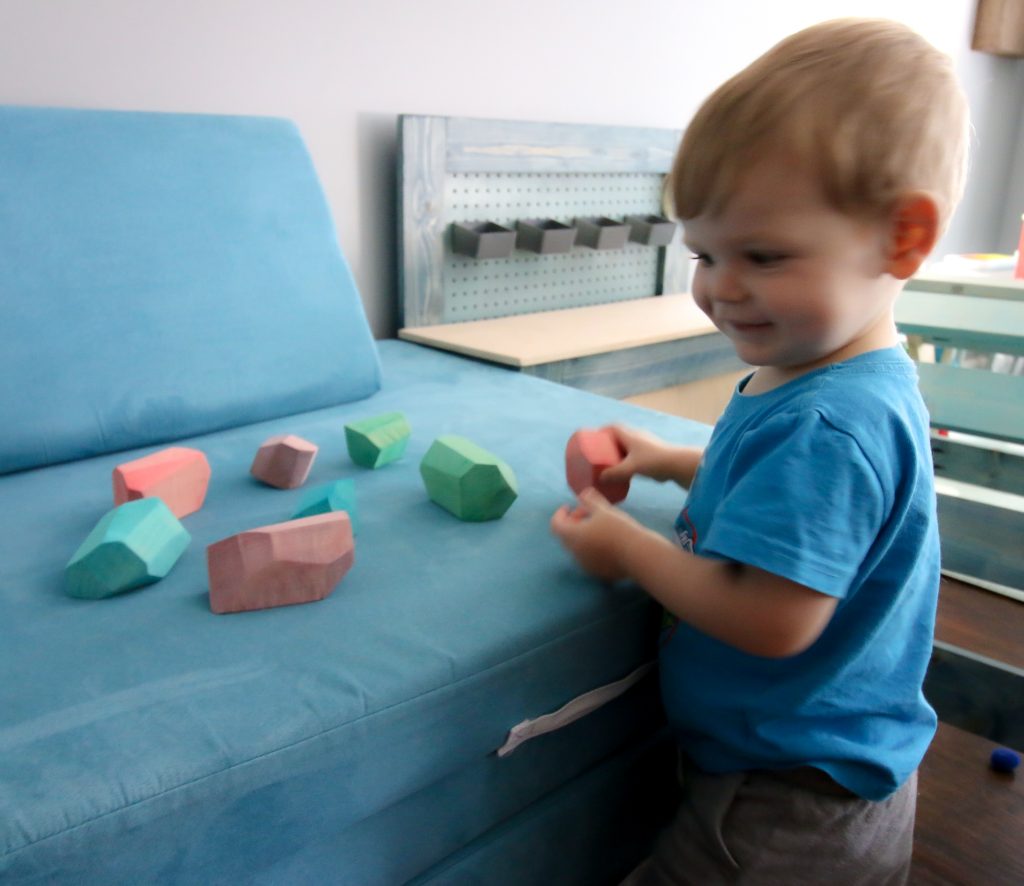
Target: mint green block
377 441
337 496
466 480
133 545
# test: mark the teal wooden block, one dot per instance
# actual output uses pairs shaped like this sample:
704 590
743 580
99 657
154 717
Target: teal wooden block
377 441
133 545
466 480
337 496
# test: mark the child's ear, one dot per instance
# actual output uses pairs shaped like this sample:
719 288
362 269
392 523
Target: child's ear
914 230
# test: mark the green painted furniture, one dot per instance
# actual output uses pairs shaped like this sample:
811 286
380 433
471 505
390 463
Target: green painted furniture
977 418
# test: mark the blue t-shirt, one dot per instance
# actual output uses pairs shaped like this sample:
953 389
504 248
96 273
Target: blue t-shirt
827 481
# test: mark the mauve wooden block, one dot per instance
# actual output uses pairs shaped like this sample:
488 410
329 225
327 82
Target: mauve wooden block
278 565
178 475
587 454
284 461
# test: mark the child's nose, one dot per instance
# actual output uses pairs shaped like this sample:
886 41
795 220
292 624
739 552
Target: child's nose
726 285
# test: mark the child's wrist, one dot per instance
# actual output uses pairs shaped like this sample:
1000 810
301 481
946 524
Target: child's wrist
668 463
630 546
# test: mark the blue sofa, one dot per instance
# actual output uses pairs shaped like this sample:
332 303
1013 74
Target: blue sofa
169 277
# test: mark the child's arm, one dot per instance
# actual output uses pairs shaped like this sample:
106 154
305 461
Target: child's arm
753 610
650 457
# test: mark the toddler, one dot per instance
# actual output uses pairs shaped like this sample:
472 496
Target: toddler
801 595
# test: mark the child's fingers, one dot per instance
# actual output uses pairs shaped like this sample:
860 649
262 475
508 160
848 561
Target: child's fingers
592 500
564 520
558 520
624 470
623 434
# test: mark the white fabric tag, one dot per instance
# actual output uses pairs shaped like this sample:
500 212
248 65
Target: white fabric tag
571 711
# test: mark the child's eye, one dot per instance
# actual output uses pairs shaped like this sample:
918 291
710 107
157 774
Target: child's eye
702 258
765 259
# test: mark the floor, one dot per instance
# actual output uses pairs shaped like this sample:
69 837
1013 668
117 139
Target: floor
969 818
701 401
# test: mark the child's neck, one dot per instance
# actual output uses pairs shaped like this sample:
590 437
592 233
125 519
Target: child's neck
766 378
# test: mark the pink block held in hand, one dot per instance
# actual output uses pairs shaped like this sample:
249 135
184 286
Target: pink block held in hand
587 454
295 562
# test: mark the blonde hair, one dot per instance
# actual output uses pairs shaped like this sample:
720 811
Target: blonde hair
873 108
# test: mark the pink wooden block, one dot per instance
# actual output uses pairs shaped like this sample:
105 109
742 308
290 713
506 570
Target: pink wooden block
284 461
587 454
178 475
295 562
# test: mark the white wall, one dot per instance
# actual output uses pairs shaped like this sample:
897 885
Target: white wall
344 69
1013 209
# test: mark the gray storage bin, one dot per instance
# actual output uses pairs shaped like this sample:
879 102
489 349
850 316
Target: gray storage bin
483 240
651 230
544 235
601 232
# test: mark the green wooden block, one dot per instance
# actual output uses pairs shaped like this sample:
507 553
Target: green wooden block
337 496
377 441
133 545
470 482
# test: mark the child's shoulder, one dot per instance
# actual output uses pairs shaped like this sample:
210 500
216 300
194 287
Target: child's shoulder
873 401
873 398
869 392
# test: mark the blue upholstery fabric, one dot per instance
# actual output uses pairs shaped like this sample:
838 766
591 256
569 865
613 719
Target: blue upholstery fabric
176 277
591 831
235 747
164 275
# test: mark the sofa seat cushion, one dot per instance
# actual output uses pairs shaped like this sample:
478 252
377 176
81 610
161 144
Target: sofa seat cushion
123 714
165 275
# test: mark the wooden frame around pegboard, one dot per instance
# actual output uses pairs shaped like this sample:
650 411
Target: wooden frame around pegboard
463 171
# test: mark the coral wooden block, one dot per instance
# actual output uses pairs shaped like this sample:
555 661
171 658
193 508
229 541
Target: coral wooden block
295 562
466 480
284 461
135 544
377 441
587 454
178 475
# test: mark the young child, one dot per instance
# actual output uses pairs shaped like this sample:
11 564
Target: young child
802 597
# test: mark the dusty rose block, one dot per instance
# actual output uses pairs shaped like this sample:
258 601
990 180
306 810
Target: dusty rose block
587 454
295 562
284 461
178 475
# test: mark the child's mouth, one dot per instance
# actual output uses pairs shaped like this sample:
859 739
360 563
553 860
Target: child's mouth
751 328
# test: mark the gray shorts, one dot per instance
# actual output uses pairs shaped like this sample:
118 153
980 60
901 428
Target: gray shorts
797 826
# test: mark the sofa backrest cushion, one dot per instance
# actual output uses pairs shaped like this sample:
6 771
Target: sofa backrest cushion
162 276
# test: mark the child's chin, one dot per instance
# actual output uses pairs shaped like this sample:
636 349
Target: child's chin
755 356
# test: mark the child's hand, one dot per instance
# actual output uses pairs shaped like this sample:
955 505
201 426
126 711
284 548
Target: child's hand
645 455
594 532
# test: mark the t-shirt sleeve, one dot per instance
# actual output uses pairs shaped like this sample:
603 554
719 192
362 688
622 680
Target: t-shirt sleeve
803 502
